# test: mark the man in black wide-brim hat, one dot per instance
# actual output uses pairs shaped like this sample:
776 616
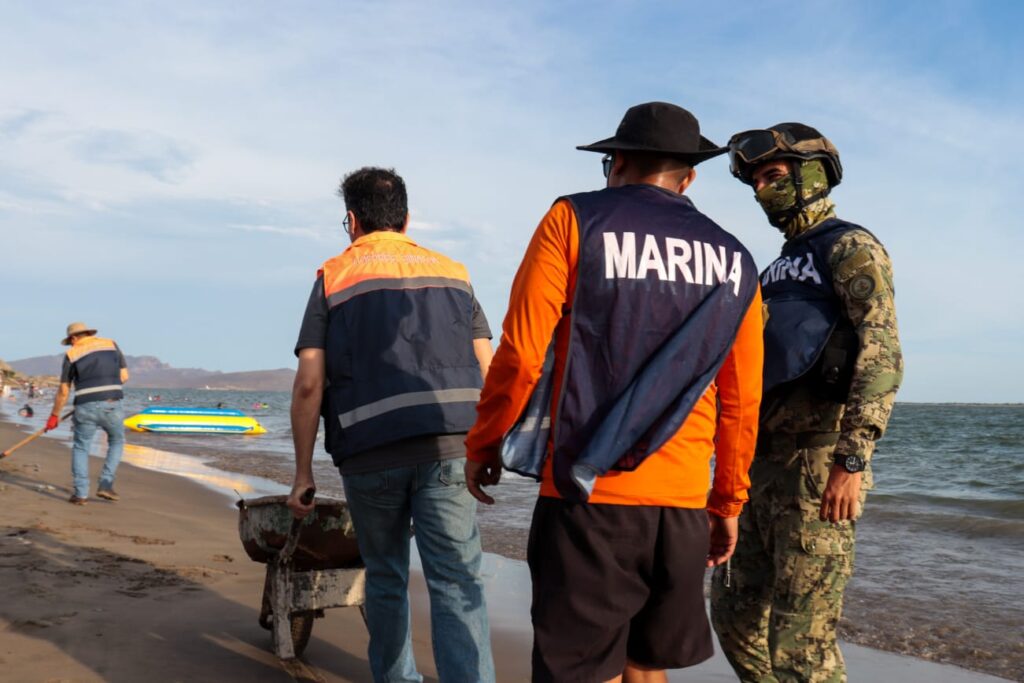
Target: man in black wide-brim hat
652 316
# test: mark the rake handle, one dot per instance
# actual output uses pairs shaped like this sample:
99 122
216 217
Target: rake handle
32 437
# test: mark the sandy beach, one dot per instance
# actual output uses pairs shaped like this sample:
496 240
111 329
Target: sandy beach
156 587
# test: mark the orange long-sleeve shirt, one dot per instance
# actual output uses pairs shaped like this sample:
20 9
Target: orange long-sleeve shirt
723 422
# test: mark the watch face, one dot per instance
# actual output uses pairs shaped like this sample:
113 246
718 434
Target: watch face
853 463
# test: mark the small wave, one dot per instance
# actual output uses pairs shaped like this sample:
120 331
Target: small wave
1001 508
1008 532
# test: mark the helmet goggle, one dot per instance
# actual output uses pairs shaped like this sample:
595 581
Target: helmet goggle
751 147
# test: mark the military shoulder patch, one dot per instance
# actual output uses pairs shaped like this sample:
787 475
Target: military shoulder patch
861 286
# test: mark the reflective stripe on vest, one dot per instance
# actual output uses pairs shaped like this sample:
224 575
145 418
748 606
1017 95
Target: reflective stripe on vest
399 351
416 398
93 390
661 291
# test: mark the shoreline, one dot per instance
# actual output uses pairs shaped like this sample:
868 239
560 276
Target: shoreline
163 570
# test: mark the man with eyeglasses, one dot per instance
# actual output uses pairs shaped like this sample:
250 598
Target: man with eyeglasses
392 353
631 352
831 371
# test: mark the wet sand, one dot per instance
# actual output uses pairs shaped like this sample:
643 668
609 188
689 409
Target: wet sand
959 631
156 587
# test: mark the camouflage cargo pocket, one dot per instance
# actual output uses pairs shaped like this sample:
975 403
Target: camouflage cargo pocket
817 464
824 538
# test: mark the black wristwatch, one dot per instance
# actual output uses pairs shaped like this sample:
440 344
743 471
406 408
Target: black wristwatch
850 463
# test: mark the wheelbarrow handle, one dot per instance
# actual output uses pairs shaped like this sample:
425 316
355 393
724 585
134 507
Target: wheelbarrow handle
292 541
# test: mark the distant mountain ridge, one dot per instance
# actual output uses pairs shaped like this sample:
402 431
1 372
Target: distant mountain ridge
151 373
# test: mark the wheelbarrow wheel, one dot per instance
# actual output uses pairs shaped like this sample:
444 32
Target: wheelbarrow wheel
302 627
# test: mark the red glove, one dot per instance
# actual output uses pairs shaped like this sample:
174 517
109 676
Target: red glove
52 423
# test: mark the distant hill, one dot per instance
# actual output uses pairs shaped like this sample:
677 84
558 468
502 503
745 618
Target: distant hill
152 373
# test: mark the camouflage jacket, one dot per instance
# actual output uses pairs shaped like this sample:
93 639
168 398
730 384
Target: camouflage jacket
863 280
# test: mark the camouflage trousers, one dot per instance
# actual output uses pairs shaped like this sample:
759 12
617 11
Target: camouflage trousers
776 620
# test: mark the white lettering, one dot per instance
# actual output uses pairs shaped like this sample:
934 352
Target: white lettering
620 260
678 257
736 272
810 271
698 262
651 260
714 263
619 263
792 268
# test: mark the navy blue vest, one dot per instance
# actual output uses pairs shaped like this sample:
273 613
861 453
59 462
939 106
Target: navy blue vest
661 291
399 359
96 368
803 307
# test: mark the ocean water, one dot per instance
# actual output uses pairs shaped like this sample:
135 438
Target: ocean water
940 548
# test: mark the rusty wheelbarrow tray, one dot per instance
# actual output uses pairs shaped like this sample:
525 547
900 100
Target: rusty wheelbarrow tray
311 566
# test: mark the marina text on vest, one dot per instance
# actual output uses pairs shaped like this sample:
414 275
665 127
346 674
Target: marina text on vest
691 261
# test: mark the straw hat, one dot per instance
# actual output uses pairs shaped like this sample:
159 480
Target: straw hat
76 328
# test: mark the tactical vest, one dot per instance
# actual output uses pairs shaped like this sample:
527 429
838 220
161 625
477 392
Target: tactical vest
660 293
399 349
96 367
804 311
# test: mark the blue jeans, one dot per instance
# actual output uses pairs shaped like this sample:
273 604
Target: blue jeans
434 497
105 415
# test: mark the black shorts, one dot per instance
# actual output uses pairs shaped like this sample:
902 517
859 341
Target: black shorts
616 582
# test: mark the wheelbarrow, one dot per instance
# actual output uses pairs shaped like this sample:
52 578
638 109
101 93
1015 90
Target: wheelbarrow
312 565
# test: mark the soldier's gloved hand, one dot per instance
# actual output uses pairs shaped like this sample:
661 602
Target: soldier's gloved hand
841 499
52 423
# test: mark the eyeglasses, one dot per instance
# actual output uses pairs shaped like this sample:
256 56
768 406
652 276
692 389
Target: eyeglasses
607 161
346 223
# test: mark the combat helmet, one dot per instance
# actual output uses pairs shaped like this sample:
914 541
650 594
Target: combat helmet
782 141
809 155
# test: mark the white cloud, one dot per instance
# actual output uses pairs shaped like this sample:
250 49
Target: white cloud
309 233
204 143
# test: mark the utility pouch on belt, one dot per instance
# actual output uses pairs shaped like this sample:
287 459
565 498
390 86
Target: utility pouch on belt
835 366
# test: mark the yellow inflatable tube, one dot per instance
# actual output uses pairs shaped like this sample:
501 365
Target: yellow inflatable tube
193 421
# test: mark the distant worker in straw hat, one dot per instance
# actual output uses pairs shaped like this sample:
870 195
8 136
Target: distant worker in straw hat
98 370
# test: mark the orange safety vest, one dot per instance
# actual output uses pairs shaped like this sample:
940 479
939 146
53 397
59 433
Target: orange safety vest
399 348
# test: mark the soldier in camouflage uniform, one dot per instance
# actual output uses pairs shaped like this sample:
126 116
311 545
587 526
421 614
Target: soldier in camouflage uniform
832 368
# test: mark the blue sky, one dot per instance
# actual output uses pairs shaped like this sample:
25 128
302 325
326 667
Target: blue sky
168 171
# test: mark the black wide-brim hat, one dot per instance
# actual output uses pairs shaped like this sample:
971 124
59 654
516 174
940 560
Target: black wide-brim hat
659 128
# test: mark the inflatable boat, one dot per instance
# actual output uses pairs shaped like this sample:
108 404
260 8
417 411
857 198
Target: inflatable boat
193 420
